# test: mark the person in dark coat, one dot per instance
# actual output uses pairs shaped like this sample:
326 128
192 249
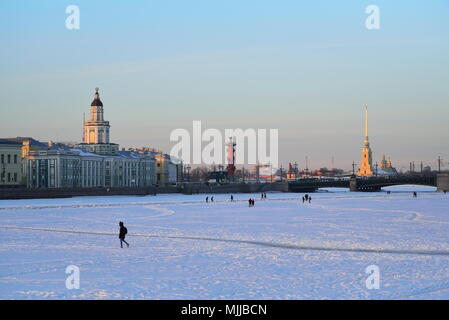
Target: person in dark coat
310 199
303 199
122 234
207 199
211 199
232 198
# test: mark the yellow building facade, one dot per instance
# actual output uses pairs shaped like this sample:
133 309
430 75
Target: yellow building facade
10 163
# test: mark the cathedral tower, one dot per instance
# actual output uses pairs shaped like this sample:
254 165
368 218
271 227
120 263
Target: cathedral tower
366 166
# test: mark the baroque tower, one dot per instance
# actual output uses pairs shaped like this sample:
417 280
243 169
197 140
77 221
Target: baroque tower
96 130
366 166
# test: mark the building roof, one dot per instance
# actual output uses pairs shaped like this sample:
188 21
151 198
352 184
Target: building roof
32 142
97 102
10 142
130 155
84 153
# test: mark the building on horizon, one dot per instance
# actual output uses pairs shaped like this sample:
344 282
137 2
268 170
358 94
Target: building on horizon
96 162
386 166
27 144
366 164
10 163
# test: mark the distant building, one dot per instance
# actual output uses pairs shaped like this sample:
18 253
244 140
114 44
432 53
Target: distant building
94 163
74 168
10 163
293 171
386 167
366 165
28 144
168 170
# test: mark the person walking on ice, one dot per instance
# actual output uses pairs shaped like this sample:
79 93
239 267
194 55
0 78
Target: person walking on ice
122 234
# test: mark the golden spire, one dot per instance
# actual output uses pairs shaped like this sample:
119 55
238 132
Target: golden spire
365 169
366 121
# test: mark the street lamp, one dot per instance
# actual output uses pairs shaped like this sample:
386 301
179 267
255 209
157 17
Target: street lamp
353 168
188 173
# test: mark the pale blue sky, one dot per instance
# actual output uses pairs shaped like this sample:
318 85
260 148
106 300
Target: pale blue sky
306 68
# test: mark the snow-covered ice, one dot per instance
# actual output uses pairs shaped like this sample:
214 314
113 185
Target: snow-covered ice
183 248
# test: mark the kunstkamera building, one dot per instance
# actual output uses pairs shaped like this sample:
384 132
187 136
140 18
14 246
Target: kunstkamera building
96 162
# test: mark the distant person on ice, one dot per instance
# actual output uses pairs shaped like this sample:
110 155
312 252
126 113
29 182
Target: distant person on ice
207 199
232 198
122 234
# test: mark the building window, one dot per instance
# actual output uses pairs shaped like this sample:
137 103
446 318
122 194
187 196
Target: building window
15 158
9 176
3 158
9 158
15 176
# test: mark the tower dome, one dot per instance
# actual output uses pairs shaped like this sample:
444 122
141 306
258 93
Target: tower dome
96 129
97 102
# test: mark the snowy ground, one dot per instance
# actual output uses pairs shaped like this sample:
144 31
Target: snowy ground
183 248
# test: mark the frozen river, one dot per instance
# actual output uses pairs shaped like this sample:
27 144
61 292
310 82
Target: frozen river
183 248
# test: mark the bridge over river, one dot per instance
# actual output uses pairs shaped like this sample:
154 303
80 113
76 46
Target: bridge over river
371 184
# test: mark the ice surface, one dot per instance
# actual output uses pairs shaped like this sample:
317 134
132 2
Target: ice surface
183 248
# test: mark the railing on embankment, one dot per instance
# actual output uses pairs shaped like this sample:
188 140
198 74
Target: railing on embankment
188 188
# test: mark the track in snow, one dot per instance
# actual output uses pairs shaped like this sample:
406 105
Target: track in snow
250 242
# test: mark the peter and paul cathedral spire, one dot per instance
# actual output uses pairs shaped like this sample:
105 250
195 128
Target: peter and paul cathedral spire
366 165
